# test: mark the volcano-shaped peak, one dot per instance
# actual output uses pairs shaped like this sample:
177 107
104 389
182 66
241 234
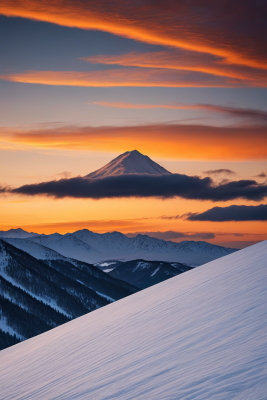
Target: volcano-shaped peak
130 162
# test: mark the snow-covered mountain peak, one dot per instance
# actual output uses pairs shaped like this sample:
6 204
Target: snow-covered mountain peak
17 233
131 162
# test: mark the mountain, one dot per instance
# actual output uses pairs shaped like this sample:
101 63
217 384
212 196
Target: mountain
143 274
200 335
36 296
91 247
17 233
131 162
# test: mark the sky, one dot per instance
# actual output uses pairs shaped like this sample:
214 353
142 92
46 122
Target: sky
183 82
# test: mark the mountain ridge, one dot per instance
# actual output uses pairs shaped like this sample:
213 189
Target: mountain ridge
91 247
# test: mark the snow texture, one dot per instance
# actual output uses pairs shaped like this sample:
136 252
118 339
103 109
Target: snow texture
131 162
200 335
154 273
35 249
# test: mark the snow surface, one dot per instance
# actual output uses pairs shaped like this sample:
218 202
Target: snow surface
199 335
108 270
131 162
105 264
154 273
35 249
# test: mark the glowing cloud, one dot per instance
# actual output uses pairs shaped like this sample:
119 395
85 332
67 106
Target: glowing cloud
237 33
189 61
258 116
187 142
137 77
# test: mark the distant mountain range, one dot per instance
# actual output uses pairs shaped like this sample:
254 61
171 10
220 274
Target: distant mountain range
96 248
131 162
90 247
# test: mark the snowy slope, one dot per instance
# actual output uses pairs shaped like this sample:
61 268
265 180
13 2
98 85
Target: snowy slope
35 249
200 335
91 247
131 162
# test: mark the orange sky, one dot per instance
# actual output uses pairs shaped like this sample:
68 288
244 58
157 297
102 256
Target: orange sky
183 142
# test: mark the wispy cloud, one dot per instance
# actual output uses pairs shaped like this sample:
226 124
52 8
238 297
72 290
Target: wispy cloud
223 171
134 77
190 142
172 235
238 35
254 115
184 60
261 175
232 213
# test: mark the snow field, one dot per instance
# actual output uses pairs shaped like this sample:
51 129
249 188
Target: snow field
200 335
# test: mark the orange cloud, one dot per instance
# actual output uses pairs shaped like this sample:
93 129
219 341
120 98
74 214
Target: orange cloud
187 142
253 114
189 61
237 33
136 77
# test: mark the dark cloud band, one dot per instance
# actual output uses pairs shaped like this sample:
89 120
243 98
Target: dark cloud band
162 186
232 213
171 235
219 171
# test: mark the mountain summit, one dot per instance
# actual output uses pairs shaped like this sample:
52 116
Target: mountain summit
131 162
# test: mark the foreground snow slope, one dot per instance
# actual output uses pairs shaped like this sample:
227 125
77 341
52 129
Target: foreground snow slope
200 335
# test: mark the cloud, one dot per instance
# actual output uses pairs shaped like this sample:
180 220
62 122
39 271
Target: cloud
170 217
159 186
183 60
64 175
219 171
261 175
234 31
5 189
256 116
134 77
232 213
171 235
188 142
